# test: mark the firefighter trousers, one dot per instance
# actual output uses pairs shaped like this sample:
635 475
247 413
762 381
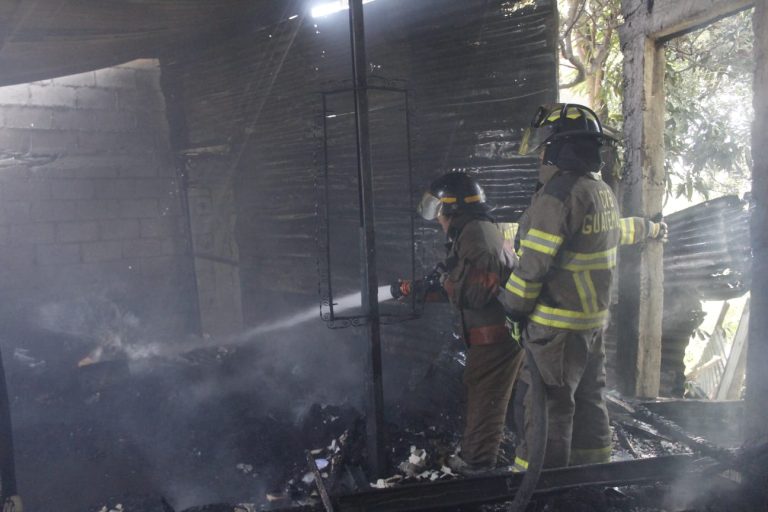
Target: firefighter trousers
572 365
489 376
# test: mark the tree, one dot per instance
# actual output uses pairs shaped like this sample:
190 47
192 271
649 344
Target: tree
709 108
708 94
589 42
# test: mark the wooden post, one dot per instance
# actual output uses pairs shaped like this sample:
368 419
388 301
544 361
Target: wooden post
647 25
641 275
757 361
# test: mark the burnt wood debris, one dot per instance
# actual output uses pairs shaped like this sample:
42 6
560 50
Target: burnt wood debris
178 179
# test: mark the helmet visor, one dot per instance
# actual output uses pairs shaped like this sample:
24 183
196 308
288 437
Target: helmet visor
429 206
534 137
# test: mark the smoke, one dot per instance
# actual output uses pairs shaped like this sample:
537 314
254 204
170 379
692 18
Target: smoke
196 405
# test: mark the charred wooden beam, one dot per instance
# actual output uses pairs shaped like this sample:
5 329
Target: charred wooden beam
502 487
324 496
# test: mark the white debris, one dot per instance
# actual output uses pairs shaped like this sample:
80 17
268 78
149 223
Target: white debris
245 468
317 451
418 456
380 484
447 471
308 478
321 463
274 497
383 483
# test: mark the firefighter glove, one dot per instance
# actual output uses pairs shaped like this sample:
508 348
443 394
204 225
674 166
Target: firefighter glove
401 289
658 231
515 324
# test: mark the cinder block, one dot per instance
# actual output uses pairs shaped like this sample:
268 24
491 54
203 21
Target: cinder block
77 231
140 168
173 246
143 248
52 142
112 143
115 189
31 233
79 166
98 209
36 118
16 212
87 79
138 208
52 210
116 78
114 121
25 190
76 120
130 99
159 267
95 98
58 254
120 229
170 206
14 141
14 94
17 258
161 227
52 96
157 188
94 252
153 121
148 79
19 171
69 188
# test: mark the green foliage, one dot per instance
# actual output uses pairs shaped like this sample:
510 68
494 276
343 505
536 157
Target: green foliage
709 108
708 92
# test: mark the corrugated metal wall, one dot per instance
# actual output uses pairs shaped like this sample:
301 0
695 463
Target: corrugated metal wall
475 71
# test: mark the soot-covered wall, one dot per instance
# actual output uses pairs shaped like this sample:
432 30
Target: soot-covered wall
92 238
249 120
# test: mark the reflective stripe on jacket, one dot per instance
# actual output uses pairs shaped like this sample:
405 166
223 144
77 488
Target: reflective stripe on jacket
569 238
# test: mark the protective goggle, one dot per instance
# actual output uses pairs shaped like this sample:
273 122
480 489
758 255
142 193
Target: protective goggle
431 206
559 120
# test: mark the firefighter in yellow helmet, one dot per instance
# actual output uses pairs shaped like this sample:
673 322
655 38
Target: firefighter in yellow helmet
560 289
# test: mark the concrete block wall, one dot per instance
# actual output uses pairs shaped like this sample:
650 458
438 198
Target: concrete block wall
90 206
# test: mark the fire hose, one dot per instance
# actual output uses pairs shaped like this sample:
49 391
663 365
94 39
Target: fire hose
537 444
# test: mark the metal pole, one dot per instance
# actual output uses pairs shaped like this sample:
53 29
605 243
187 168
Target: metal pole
370 285
7 464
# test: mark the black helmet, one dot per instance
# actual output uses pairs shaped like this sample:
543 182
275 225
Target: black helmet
562 121
451 193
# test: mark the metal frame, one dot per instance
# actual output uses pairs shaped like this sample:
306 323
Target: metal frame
327 313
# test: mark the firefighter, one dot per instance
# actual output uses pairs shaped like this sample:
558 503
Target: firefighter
560 289
477 264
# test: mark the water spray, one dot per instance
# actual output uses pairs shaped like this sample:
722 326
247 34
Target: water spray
346 302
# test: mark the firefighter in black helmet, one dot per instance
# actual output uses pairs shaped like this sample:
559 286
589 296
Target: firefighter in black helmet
477 263
560 288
